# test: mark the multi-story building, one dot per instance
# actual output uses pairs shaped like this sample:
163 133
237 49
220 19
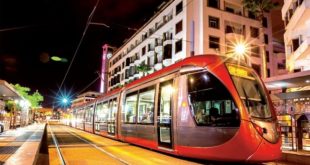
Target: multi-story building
183 28
292 90
296 15
279 58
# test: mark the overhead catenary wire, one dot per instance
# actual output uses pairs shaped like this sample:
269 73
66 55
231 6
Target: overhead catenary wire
79 44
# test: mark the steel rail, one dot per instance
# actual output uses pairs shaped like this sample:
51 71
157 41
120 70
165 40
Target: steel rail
62 160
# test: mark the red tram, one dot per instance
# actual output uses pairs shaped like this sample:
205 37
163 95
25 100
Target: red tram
204 107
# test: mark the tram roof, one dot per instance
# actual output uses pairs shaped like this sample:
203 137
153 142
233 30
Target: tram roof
197 60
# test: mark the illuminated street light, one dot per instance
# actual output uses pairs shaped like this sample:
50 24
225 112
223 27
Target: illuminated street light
240 49
65 100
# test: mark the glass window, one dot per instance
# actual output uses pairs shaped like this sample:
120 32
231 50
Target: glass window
178 27
130 108
146 105
89 114
210 101
255 51
166 91
179 8
214 3
214 42
256 68
254 32
266 39
178 46
214 22
250 91
112 110
265 22
101 112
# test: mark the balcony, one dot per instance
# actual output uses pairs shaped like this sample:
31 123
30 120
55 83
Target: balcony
303 51
158 45
233 8
159 62
234 33
167 38
298 14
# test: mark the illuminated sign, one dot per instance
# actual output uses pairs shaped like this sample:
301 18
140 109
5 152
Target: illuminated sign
239 71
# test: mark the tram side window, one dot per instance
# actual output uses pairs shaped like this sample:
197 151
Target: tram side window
211 102
80 115
130 108
89 114
146 105
101 112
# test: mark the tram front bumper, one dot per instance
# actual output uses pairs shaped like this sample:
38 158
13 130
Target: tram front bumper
266 152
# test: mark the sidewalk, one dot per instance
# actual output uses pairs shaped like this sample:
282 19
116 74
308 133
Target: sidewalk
301 157
21 145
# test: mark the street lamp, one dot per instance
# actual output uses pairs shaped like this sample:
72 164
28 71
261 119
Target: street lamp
65 101
240 49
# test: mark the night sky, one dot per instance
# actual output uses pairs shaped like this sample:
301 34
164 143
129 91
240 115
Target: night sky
32 31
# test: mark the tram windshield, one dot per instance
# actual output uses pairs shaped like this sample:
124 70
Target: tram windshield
210 101
251 91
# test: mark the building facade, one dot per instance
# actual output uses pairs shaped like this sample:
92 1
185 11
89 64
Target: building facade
291 92
296 15
183 28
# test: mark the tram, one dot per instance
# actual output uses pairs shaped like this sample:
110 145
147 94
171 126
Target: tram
204 107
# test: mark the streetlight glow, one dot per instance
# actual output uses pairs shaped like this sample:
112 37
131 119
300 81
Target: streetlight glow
65 100
240 49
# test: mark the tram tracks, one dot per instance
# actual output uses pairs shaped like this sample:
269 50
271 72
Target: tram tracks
61 141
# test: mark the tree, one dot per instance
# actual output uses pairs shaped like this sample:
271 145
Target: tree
143 68
258 8
34 99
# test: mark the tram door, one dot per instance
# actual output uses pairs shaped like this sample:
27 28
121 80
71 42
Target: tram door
112 116
164 115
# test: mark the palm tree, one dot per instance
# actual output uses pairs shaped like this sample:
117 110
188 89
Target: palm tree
258 8
143 68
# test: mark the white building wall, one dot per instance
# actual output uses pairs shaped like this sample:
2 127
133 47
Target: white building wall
194 35
296 15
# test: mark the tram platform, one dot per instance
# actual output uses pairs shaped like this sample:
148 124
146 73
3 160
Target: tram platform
21 145
300 157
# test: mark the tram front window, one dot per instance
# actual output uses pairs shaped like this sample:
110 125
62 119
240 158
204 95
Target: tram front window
250 91
210 101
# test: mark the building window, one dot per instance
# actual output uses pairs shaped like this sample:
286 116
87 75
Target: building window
178 46
214 42
295 44
266 39
143 50
254 32
255 50
267 56
214 3
178 27
179 8
214 22
281 65
256 68
265 22
268 72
